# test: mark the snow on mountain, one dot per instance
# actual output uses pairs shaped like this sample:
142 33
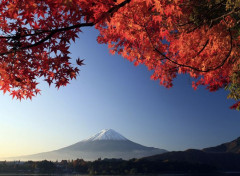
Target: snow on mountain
107 134
105 144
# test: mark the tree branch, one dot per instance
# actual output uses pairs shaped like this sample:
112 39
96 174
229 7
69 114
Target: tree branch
202 48
111 11
188 66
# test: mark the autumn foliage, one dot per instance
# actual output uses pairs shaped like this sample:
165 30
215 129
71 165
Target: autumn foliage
170 37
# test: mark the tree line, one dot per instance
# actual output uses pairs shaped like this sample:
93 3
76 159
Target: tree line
103 167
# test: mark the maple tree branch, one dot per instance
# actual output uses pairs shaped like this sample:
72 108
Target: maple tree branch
52 32
224 15
188 66
117 7
202 48
49 36
229 53
207 18
111 11
56 31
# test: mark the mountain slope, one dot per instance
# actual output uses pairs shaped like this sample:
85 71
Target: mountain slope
105 144
221 161
230 147
223 157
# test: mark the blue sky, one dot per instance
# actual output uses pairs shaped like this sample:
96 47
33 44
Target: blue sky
112 93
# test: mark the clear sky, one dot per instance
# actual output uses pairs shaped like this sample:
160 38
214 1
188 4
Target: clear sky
112 93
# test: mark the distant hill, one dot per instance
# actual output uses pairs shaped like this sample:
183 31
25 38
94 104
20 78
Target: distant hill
221 161
105 144
229 147
223 157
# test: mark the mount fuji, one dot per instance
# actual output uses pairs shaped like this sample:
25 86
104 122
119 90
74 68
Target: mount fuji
105 144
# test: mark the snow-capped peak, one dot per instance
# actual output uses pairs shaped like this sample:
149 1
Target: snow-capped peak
107 134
